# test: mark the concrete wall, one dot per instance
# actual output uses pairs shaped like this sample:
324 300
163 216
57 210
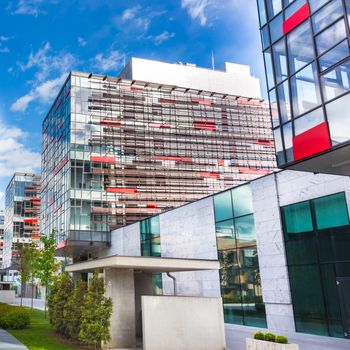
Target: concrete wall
189 232
184 323
7 296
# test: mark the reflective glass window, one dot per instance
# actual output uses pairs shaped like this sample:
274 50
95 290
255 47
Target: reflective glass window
294 7
331 211
274 108
276 28
284 101
308 121
334 55
288 141
300 47
316 4
297 218
262 12
265 38
327 15
330 36
242 200
268 69
273 7
279 146
339 119
305 90
245 231
225 234
336 82
223 206
347 3
280 61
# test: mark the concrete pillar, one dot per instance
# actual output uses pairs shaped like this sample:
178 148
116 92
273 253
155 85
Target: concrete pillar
120 287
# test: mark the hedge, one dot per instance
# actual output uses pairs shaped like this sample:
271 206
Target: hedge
14 317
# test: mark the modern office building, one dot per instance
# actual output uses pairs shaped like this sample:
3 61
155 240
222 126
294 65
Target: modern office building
283 244
2 218
22 211
116 151
306 51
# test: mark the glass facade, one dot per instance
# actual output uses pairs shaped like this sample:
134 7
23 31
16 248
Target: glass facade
306 52
2 218
22 211
237 251
317 241
117 151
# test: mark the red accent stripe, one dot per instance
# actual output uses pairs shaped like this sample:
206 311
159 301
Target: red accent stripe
159 125
204 125
210 175
253 171
177 159
32 221
101 159
58 104
312 141
110 123
35 237
296 18
63 163
203 102
221 162
67 92
265 143
152 205
34 200
121 190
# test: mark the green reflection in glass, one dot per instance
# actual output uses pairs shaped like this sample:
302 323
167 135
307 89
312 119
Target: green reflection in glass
242 200
223 206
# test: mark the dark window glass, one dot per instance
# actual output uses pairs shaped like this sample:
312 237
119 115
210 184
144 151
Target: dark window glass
280 61
284 101
300 47
242 200
330 37
268 69
298 218
305 90
248 257
327 15
262 12
288 141
274 108
265 38
223 206
308 121
279 146
334 55
276 28
331 211
337 81
339 119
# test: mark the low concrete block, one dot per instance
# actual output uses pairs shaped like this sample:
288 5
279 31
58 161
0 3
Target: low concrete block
7 296
254 344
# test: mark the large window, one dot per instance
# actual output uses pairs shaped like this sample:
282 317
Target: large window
239 272
150 237
317 241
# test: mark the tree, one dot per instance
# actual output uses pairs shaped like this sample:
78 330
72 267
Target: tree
61 292
23 267
73 309
46 264
95 314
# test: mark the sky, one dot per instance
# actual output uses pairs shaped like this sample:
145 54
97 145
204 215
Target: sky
41 41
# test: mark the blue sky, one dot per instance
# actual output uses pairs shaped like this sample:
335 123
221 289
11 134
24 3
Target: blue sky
42 40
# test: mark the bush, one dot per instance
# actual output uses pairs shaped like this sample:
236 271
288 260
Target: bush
14 317
259 335
270 337
281 339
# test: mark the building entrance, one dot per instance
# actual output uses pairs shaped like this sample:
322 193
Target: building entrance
343 284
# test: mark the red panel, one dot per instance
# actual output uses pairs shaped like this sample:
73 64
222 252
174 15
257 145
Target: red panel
312 141
221 162
253 171
204 125
296 18
152 205
177 159
203 102
110 123
63 163
265 143
121 190
31 221
99 159
58 104
35 237
34 200
210 175
159 125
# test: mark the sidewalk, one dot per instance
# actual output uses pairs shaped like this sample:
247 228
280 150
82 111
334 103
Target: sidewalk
38 304
9 342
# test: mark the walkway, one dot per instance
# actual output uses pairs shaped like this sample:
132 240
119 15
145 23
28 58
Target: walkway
236 335
9 342
38 303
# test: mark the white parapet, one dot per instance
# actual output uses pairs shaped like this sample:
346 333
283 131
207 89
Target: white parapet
186 323
7 296
254 344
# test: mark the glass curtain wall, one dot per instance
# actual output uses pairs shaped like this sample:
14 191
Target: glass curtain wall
237 251
317 241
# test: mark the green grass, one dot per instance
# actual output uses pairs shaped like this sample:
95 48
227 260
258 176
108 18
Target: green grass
40 335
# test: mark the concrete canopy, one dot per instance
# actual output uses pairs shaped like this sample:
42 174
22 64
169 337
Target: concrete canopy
141 263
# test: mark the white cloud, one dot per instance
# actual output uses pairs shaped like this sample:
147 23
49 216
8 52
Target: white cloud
44 93
82 41
4 38
112 61
4 50
14 155
198 9
28 7
162 37
130 13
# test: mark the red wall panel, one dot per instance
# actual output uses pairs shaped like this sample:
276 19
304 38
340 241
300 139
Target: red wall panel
296 18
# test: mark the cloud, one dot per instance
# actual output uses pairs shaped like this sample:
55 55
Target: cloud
14 155
162 37
198 9
130 13
44 93
4 38
112 61
82 41
29 7
4 50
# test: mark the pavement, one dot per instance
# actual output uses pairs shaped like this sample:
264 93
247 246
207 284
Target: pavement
236 335
38 304
9 342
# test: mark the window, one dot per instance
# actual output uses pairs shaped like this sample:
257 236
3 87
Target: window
262 12
316 4
268 69
265 38
327 15
334 55
276 28
280 61
284 101
288 141
274 108
150 237
308 121
223 206
290 10
297 218
242 201
279 146
273 7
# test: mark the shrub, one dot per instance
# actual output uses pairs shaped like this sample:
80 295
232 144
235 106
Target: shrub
281 339
14 317
259 335
270 337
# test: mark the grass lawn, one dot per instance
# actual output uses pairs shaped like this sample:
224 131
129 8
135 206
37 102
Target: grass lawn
40 335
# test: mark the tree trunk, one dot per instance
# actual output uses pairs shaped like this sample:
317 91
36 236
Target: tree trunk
45 300
32 293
